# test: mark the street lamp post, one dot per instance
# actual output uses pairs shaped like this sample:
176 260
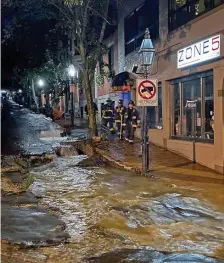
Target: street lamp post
146 55
41 84
66 89
73 75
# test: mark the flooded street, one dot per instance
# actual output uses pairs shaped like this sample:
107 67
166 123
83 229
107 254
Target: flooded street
117 216
105 209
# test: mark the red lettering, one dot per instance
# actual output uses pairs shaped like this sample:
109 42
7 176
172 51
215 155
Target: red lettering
215 43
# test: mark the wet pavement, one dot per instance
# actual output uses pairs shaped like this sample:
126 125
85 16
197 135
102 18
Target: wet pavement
24 222
114 216
163 163
21 130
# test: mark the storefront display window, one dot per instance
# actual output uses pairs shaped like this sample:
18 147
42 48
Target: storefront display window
176 109
193 107
191 125
155 118
209 108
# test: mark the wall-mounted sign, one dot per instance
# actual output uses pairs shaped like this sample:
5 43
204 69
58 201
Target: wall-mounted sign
124 88
199 52
147 92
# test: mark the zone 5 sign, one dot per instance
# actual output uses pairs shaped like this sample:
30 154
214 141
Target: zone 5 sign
199 52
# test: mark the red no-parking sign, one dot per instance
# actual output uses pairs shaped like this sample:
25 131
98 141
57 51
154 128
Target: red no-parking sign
147 92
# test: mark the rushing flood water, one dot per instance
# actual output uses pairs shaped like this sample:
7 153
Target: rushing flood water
114 216
107 209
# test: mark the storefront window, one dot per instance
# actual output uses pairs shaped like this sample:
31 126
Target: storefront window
193 107
191 124
155 119
176 112
209 108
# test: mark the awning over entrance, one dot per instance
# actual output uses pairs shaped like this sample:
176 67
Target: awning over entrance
123 81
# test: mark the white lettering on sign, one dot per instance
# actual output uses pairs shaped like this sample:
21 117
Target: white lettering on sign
199 52
191 104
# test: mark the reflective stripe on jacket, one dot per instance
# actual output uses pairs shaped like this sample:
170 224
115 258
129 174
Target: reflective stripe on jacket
108 112
132 116
119 114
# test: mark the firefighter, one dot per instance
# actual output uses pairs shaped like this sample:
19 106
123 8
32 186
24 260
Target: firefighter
131 122
119 118
108 115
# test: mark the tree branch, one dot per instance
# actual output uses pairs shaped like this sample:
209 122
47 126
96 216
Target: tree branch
61 10
94 11
85 19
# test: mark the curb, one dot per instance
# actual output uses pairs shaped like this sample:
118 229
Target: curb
117 164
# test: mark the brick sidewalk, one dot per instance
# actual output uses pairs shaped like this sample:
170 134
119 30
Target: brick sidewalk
162 162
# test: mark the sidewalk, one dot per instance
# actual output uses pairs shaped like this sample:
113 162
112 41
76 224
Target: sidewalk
163 163
80 126
78 122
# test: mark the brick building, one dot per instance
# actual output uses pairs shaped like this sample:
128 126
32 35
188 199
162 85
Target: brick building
189 66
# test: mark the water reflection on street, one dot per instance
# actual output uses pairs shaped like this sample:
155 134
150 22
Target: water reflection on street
106 209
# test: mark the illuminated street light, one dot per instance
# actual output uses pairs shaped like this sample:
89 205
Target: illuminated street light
40 82
72 72
20 91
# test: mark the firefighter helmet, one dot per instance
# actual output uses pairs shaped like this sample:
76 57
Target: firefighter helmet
131 102
108 100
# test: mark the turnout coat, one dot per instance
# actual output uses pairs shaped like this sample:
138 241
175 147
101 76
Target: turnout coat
131 117
119 114
108 112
